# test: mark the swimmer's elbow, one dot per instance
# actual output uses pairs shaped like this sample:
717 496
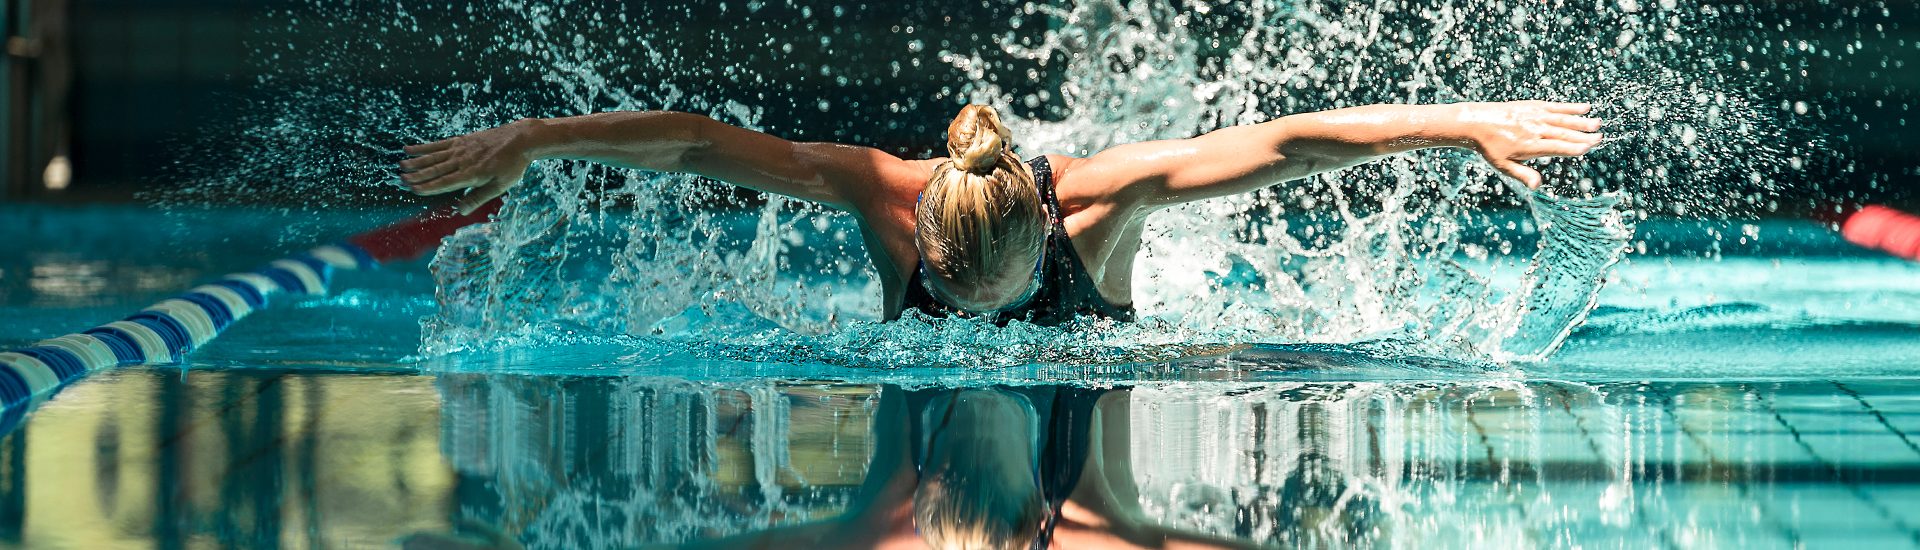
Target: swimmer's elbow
674 141
648 140
1308 140
689 133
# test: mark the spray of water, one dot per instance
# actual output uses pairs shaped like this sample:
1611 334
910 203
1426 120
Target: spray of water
1430 251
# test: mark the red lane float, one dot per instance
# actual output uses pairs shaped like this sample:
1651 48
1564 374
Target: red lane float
1885 229
167 331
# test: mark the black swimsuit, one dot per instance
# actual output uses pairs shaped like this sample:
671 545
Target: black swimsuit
1066 290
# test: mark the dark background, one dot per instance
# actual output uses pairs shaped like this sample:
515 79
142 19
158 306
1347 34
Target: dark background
158 83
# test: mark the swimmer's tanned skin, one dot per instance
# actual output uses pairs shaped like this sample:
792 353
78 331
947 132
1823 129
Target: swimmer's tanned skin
1104 198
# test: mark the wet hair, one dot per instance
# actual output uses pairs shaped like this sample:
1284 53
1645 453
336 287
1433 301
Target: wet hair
968 497
955 513
980 217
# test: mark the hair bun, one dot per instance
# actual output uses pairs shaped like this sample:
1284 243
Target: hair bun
976 139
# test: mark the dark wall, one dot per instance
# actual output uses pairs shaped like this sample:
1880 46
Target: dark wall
164 84
149 75
159 79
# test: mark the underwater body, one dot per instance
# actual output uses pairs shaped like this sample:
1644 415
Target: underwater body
1651 350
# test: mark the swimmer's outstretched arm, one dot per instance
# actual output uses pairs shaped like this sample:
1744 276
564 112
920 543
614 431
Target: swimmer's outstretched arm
489 162
1245 158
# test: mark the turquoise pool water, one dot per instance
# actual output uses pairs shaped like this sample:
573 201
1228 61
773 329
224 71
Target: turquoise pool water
1762 398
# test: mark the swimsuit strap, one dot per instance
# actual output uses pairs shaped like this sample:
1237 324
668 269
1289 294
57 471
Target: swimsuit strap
1074 291
1043 180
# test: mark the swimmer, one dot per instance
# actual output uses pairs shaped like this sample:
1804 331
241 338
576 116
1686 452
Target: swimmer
981 232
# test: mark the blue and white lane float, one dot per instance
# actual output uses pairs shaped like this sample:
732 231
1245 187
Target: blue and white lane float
166 332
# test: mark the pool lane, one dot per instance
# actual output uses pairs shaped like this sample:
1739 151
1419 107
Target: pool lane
144 458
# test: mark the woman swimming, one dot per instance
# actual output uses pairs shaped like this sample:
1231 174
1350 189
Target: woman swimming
981 233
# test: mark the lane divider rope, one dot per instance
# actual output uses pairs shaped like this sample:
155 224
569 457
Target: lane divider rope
166 332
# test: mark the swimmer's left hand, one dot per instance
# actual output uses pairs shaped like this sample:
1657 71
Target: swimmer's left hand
1507 134
487 163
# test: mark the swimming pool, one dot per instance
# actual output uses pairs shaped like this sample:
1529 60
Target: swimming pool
1764 397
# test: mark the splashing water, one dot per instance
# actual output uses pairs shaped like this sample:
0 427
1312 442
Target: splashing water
1423 250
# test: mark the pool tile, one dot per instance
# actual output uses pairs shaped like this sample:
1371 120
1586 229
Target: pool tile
1732 525
1889 407
1861 449
1814 403
1889 399
1762 449
1600 535
1902 501
1858 421
1727 420
1742 514
1827 509
1908 424
1690 536
1859 539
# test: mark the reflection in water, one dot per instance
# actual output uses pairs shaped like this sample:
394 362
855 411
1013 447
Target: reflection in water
611 462
244 459
62 280
267 458
1284 464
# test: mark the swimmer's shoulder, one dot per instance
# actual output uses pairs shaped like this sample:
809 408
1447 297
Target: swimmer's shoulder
892 185
924 168
1081 184
1062 165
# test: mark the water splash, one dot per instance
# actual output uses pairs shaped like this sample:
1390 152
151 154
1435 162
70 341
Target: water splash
1580 241
1413 250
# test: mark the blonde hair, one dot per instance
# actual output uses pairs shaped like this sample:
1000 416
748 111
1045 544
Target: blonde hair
980 216
970 496
955 513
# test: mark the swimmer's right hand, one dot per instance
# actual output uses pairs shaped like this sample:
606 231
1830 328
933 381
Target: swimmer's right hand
1510 133
485 163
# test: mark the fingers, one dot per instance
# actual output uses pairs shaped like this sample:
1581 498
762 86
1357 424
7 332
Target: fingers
424 148
429 173
1526 175
431 163
1567 108
1543 148
1557 148
481 195
461 179
417 163
1563 134
1571 122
